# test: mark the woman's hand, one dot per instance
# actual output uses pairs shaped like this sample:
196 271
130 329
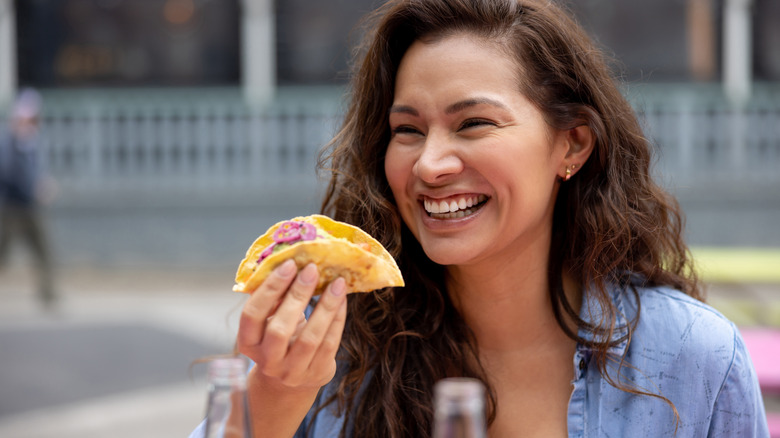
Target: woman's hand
290 352
293 356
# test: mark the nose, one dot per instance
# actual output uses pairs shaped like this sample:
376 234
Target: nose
438 159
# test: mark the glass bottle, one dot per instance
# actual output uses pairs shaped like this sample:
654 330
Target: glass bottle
459 409
227 411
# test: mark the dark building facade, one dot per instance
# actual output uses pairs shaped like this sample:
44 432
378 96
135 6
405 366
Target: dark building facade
78 43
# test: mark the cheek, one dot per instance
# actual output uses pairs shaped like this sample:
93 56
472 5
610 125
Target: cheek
397 171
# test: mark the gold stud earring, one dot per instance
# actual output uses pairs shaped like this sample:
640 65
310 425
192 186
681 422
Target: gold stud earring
568 172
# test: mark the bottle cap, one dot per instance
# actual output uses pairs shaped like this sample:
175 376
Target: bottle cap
459 387
459 393
227 371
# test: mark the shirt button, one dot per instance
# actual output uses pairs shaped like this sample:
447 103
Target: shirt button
582 364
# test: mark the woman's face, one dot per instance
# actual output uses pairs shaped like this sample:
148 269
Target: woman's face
471 162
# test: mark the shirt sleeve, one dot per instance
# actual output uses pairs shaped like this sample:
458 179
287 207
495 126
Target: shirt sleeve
739 408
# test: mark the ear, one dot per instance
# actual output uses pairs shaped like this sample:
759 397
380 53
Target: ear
580 142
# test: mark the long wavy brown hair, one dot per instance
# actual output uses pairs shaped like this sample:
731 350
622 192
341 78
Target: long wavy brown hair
612 225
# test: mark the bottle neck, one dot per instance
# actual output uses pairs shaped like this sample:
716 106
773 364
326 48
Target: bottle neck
459 409
227 413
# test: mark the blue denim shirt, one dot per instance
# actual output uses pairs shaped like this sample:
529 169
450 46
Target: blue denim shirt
681 349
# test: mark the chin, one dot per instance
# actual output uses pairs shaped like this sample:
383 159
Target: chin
446 255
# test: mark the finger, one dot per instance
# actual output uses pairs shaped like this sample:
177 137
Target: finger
263 301
324 361
280 329
310 338
301 324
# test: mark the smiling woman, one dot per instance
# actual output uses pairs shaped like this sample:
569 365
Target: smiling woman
488 148
448 130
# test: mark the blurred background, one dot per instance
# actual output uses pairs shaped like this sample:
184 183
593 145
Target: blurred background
171 133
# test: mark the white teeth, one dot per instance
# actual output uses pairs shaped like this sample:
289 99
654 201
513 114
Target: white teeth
454 208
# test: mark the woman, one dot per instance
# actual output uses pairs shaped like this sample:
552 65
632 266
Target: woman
487 147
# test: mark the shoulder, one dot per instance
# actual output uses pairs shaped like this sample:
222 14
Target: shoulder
685 346
689 346
667 317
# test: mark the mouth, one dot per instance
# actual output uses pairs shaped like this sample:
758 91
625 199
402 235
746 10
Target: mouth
455 207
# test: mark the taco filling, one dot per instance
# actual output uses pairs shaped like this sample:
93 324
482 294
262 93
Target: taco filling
291 232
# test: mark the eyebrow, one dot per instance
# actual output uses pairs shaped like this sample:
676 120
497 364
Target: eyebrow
404 109
452 109
467 103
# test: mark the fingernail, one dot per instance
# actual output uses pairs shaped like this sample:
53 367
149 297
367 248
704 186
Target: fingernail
309 274
286 269
338 287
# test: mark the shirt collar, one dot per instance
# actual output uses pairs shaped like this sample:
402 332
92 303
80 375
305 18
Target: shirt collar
591 312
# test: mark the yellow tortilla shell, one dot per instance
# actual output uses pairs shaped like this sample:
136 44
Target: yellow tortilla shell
339 256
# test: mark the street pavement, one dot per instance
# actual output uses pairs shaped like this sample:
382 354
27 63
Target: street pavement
145 292
118 355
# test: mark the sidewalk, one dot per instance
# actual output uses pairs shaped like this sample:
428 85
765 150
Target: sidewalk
191 306
195 308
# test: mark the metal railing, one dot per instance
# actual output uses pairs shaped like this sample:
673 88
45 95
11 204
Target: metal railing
701 139
203 149
169 145
178 144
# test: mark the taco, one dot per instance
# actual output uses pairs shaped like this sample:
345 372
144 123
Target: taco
338 249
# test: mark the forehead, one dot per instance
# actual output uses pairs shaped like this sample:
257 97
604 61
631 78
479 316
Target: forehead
498 45
460 58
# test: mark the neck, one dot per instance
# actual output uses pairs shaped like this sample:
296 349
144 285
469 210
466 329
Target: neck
508 305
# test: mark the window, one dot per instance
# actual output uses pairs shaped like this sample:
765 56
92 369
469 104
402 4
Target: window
766 40
314 39
73 43
656 41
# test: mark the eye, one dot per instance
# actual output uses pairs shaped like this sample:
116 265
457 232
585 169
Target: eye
405 129
472 123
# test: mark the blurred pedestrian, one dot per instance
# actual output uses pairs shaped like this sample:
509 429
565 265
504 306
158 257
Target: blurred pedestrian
24 188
